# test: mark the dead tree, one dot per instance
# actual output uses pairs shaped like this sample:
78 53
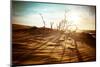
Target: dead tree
42 19
51 24
59 26
64 22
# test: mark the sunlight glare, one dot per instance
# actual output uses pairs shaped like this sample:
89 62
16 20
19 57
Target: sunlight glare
74 18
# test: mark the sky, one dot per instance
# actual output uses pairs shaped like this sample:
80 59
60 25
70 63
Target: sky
28 13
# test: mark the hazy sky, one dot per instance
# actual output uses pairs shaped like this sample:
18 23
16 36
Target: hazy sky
27 13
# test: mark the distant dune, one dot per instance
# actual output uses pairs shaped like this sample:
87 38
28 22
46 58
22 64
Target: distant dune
18 26
31 29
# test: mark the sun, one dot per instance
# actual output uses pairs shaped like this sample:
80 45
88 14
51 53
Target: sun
74 18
